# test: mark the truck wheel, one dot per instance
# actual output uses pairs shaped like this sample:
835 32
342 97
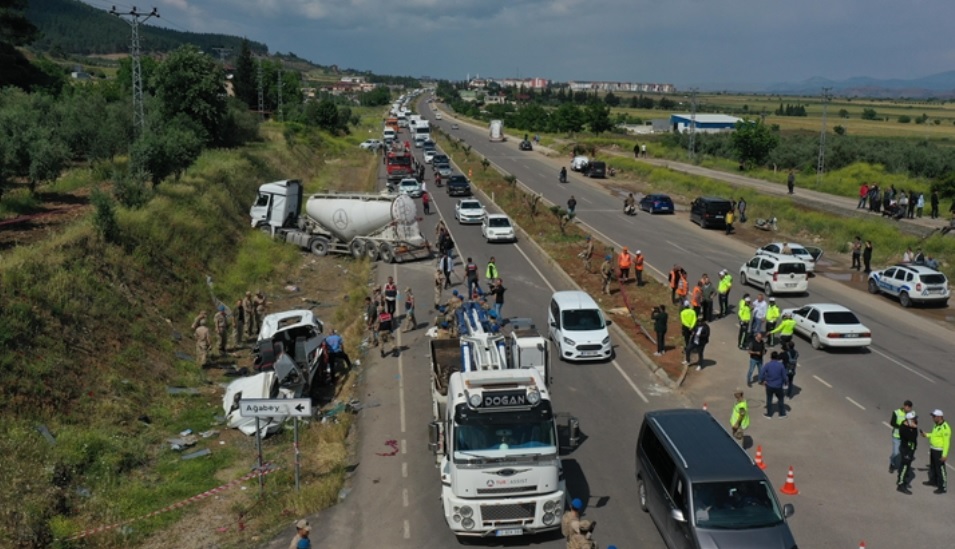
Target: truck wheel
357 248
319 246
386 253
371 250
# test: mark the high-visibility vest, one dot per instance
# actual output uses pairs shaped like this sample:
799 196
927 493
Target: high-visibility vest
744 313
740 409
940 437
697 298
688 318
725 284
624 260
899 419
681 288
638 262
674 279
772 313
785 327
491 271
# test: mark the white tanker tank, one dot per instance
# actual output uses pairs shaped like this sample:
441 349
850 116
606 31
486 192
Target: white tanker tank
372 225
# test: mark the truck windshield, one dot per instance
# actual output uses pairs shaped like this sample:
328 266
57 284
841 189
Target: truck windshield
735 505
504 433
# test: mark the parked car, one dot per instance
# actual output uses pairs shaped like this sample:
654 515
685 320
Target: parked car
370 144
458 185
710 211
657 203
497 228
410 186
525 145
597 169
775 274
911 284
807 254
830 325
579 163
578 327
468 211
443 169
454 126
428 155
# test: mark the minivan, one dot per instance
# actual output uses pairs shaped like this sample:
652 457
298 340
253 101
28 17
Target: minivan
702 490
578 327
710 211
597 169
776 274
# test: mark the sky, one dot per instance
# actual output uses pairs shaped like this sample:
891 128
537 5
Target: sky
681 42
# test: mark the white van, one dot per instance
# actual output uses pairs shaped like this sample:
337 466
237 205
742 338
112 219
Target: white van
578 327
775 274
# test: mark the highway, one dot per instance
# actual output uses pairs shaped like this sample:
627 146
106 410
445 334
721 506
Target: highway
837 439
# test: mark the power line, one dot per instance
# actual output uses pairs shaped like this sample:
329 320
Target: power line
134 19
821 165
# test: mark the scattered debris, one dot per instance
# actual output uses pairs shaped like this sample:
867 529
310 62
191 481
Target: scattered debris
292 288
176 336
46 434
182 390
343 493
209 433
197 453
185 433
184 356
83 492
181 443
619 311
355 405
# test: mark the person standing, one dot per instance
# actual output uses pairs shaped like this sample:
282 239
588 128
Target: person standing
636 150
426 203
909 437
687 323
723 289
895 421
696 298
571 205
745 316
791 181
790 358
773 377
336 351
785 329
757 350
498 292
624 262
759 314
259 303
857 253
709 291
741 208
772 317
410 321
471 274
933 201
939 439
201 316
249 307
728 220
682 286
698 340
391 295
606 269
438 286
222 329
587 254
863 196
913 203
638 267
238 318
660 319
446 266
491 273
203 344
570 516
371 319
867 256
674 281
920 205
739 418
302 530
384 330
643 150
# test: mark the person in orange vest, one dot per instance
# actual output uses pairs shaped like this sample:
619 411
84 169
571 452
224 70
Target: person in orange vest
638 267
696 298
674 282
682 286
624 262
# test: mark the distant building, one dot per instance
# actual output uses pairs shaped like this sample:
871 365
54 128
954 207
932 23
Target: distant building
634 87
705 123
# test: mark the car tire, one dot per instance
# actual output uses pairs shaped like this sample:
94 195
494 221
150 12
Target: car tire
814 341
905 300
873 287
768 289
743 280
642 494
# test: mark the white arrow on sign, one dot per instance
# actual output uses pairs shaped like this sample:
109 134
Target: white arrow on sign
269 407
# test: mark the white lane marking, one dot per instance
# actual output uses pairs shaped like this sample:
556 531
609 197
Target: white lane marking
861 407
404 446
887 425
909 368
585 199
682 249
404 469
630 381
404 497
536 270
401 370
407 530
820 380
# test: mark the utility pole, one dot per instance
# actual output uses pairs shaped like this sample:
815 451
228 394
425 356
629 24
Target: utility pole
261 89
134 19
821 166
278 92
691 147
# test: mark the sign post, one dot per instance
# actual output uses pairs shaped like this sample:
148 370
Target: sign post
271 408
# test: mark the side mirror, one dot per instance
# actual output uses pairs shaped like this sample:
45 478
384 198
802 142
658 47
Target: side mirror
677 515
553 324
434 437
788 510
609 322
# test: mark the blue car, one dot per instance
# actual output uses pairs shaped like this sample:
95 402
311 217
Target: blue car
657 203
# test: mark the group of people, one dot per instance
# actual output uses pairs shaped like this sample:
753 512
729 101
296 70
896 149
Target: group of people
245 319
905 436
898 204
381 311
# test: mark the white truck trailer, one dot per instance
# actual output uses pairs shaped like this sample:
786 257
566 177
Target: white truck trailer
364 225
496 130
494 434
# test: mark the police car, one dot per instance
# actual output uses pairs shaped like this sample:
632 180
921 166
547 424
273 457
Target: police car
911 284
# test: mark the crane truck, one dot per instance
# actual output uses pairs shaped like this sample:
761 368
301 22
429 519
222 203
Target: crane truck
494 432
377 226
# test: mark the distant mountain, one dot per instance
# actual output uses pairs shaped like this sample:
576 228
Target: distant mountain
72 27
940 86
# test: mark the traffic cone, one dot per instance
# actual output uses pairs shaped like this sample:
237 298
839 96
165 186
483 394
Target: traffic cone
759 457
705 408
862 544
790 486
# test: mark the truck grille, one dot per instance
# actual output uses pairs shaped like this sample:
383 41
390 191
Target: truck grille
509 511
592 347
509 490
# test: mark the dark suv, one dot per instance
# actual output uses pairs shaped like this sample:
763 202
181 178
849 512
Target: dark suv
710 211
597 169
458 185
525 145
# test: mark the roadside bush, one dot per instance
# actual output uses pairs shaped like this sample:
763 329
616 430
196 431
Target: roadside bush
104 218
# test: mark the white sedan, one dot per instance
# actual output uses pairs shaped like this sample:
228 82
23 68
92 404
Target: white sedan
410 186
370 144
469 211
497 227
428 155
830 325
807 254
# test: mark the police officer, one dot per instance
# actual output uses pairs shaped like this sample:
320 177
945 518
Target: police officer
570 516
688 322
785 329
587 254
896 421
723 289
248 307
745 315
909 437
772 317
739 419
491 273
336 350
384 330
259 313
391 295
939 439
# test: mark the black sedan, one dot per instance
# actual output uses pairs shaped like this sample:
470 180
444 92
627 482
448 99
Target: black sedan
525 145
657 203
458 185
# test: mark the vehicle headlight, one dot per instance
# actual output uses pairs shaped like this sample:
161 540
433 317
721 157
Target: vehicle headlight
549 518
456 518
549 506
466 511
569 341
467 523
533 397
474 400
606 340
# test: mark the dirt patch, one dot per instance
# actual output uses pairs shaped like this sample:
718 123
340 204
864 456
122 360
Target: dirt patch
56 210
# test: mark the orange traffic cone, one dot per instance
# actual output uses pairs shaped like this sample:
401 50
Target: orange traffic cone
759 457
704 407
790 486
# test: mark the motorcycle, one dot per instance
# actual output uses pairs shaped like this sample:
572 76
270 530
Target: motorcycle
629 209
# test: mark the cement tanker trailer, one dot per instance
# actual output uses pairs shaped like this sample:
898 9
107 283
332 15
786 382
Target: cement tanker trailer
364 225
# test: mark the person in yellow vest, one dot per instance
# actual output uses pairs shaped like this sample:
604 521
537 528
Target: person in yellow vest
939 439
726 283
638 266
739 419
729 222
491 273
772 317
745 316
688 322
895 421
785 329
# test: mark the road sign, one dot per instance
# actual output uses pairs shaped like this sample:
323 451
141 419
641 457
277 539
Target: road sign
268 407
